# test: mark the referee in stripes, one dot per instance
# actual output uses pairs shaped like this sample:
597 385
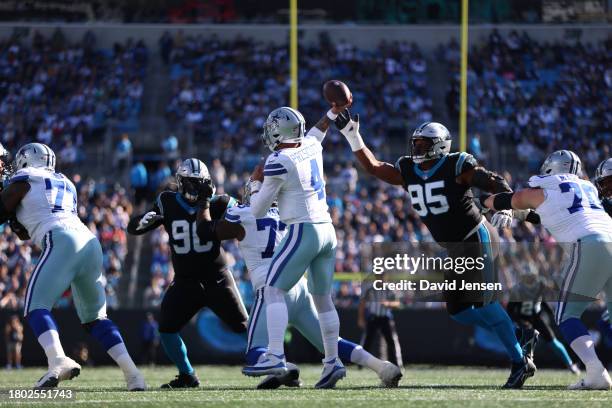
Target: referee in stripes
375 316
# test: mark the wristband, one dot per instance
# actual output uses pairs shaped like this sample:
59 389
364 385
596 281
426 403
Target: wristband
331 115
355 141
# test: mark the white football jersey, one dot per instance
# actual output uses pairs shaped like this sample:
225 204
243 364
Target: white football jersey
51 202
299 172
262 235
572 208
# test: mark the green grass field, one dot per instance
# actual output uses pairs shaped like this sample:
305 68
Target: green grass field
421 386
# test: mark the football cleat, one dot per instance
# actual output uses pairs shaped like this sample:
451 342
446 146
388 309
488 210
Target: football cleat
333 371
183 381
269 364
598 379
520 372
61 369
390 375
135 382
289 379
528 338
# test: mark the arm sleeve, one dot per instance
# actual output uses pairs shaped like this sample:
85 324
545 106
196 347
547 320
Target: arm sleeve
233 216
316 133
135 220
261 201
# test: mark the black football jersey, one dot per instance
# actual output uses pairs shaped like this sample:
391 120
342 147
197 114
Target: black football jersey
192 257
446 207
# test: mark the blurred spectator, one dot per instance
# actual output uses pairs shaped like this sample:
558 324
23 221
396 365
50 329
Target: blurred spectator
170 147
139 182
13 338
123 152
158 178
149 334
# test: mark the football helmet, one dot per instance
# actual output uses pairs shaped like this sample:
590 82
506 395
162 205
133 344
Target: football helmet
438 142
189 175
603 178
36 155
283 125
561 162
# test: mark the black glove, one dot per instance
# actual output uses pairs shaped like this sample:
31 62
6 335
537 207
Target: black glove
205 193
343 119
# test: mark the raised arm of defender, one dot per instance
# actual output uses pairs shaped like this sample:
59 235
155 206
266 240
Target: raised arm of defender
349 128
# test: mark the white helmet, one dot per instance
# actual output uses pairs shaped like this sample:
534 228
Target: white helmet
604 171
36 155
561 162
440 144
283 125
189 175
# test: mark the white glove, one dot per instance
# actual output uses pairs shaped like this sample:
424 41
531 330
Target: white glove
502 219
349 128
148 219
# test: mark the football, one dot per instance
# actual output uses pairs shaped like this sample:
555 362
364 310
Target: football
337 92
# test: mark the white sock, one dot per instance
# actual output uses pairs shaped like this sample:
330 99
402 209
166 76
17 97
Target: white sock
50 342
584 346
277 320
363 358
121 356
330 331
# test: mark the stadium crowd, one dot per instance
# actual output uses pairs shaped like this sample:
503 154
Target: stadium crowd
63 93
216 92
538 96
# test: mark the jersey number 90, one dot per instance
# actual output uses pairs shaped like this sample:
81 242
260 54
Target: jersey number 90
186 238
428 201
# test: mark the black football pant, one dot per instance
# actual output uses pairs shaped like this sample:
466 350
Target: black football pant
186 296
386 326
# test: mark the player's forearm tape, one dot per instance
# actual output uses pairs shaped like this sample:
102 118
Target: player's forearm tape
355 141
206 230
316 132
533 218
503 201
489 181
331 115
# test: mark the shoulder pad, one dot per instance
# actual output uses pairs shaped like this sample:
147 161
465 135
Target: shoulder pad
21 175
403 162
464 161
275 165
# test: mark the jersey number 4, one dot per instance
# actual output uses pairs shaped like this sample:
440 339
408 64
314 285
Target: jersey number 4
429 201
186 238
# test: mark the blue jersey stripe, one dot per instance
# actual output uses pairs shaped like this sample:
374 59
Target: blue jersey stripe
274 172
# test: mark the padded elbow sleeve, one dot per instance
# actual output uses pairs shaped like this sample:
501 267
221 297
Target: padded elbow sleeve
488 181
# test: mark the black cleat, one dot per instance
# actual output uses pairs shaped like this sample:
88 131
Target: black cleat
183 381
528 338
519 373
290 379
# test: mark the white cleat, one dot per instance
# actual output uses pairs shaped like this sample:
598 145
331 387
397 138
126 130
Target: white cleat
333 371
390 375
61 369
595 380
135 382
268 364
